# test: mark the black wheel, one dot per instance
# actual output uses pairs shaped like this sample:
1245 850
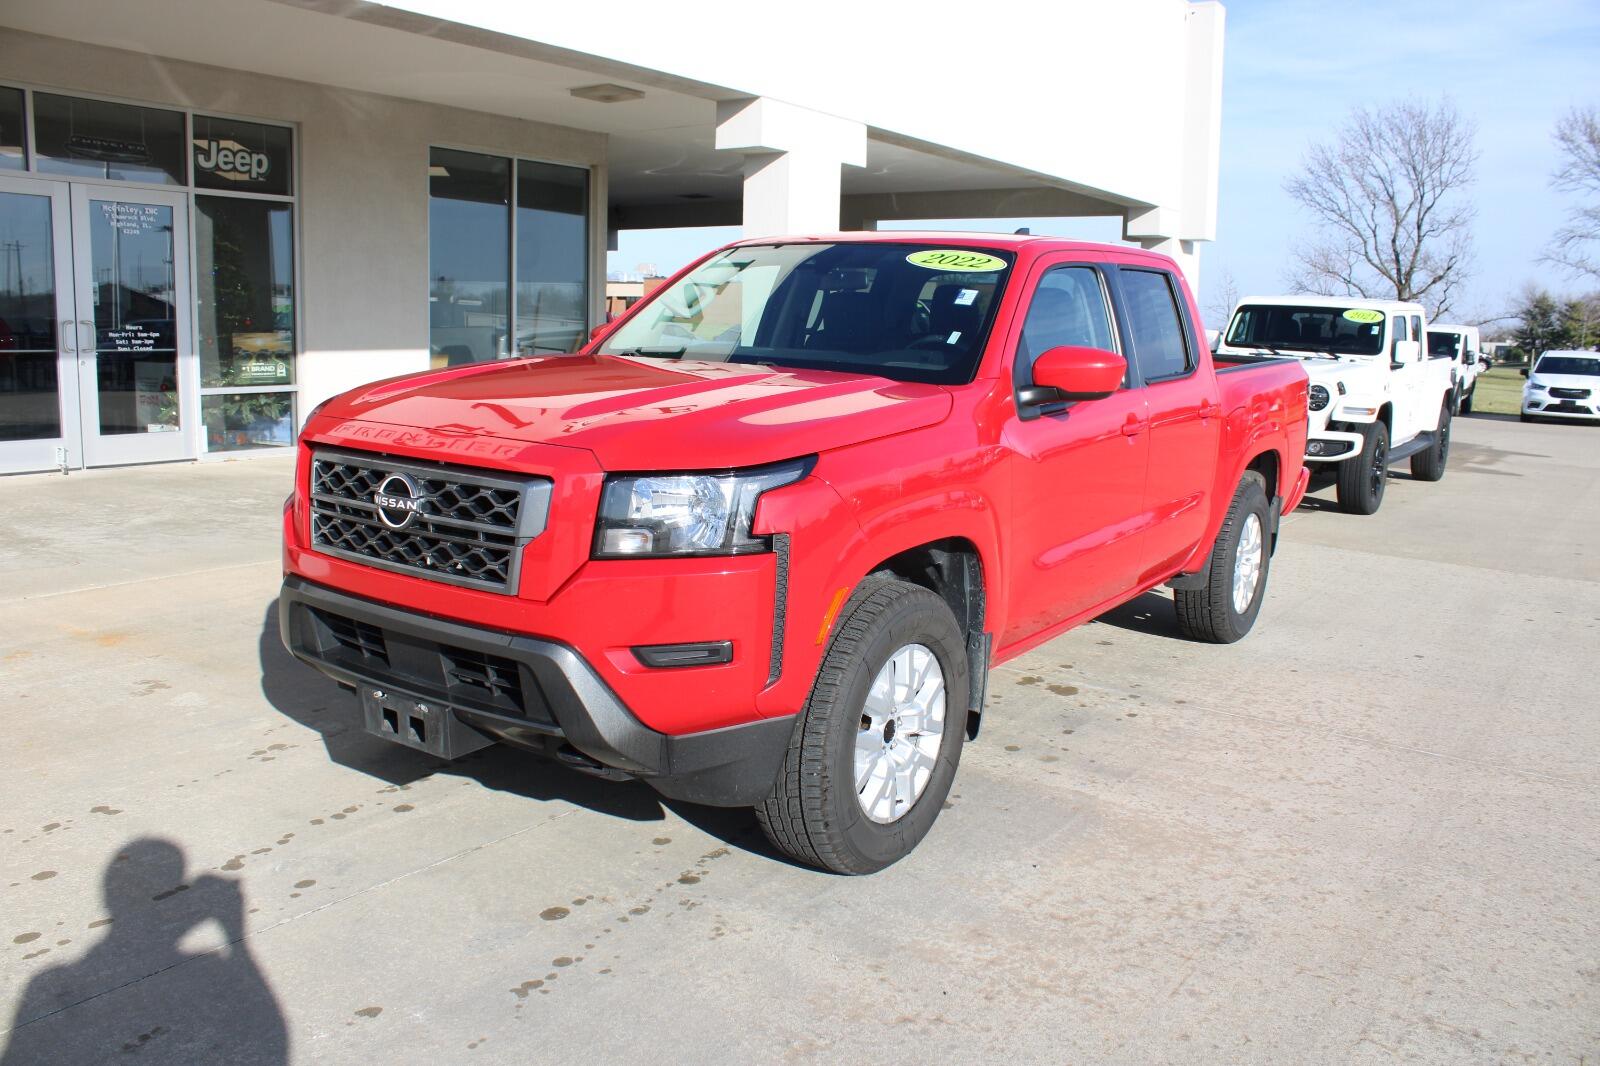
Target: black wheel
876 745
1236 574
1428 464
1524 417
1363 476
1466 401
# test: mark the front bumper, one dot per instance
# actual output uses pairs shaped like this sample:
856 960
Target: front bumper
524 691
1543 404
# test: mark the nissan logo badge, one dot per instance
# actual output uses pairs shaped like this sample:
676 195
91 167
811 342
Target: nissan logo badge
398 500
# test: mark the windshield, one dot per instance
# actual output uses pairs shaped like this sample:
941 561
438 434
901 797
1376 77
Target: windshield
1441 345
910 312
1346 330
1569 364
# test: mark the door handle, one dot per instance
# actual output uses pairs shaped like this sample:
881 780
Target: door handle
66 337
1133 426
86 346
1210 410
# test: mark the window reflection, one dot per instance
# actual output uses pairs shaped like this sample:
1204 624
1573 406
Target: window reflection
469 256
135 318
99 139
13 136
30 405
552 257
245 271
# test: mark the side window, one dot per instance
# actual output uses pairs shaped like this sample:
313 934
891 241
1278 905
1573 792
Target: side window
1397 333
1159 343
1416 327
1068 307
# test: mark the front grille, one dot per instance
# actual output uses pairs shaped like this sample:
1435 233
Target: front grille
1570 394
464 527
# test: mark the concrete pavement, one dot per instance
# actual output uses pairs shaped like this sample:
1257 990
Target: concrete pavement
1370 831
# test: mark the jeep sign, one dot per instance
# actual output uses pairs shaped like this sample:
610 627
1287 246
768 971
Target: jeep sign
231 160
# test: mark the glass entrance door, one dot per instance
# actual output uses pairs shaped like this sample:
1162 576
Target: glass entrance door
38 369
131 290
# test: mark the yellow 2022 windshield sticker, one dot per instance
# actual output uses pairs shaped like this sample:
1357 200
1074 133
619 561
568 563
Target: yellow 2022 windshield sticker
955 259
1363 314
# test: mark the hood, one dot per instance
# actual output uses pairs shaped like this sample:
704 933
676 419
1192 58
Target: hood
1565 381
652 414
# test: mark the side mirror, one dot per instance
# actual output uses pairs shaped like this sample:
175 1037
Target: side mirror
1405 352
600 331
1524 371
1079 373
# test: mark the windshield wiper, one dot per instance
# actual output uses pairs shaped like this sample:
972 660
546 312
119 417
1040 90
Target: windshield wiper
652 351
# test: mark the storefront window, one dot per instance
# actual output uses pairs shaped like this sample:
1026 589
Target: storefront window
552 257
245 420
245 269
13 133
99 139
469 256
242 156
476 217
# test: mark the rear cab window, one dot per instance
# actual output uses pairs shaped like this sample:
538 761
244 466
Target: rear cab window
1160 339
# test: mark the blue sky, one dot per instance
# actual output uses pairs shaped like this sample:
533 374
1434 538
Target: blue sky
1294 69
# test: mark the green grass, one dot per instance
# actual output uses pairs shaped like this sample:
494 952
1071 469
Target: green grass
1499 391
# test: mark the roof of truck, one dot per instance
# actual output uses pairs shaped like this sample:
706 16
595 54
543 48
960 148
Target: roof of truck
959 238
1307 300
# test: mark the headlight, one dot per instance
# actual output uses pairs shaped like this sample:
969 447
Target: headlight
686 514
1318 397
1534 386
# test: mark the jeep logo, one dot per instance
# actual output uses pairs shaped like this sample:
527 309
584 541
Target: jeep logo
231 160
398 501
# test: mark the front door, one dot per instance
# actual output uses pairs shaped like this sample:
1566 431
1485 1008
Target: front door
95 357
131 288
38 337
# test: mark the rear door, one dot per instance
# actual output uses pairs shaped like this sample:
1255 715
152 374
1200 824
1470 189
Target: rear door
1185 416
1407 377
1078 469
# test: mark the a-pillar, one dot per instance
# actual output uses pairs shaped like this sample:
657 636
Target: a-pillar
792 160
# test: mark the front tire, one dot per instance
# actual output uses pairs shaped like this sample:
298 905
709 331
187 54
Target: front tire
1466 401
1428 464
864 778
1236 574
1363 476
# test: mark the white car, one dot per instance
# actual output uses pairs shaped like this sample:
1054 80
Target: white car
1375 396
1460 345
1564 383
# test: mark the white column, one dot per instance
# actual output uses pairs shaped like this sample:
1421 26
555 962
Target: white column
1150 228
791 171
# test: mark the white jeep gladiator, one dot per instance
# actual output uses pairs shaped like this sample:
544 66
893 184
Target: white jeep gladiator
1375 396
1460 345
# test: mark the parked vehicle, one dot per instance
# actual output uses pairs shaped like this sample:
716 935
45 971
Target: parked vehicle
1460 345
1375 397
760 543
1564 384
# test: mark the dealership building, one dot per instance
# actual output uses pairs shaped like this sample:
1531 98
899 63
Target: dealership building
215 214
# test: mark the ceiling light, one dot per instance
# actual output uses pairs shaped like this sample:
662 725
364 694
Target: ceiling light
606 93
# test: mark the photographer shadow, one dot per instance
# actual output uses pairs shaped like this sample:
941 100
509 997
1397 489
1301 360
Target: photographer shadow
139 990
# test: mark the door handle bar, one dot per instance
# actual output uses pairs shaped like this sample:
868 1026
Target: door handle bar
1133 427
86 346
67 341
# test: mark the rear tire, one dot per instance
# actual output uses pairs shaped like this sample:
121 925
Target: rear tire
1363 476
1428 464
1236 573
1524 417
1466 401
816 813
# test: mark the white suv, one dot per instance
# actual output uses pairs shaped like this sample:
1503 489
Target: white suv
1460 345
1564 383
1375 396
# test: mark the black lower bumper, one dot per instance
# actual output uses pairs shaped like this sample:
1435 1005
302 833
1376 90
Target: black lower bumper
523 691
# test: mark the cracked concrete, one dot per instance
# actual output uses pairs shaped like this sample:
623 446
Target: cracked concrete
1370 831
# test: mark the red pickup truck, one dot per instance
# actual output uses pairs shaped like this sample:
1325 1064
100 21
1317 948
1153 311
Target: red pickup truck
761 541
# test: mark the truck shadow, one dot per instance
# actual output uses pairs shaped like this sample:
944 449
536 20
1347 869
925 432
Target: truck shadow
1151 613
302 694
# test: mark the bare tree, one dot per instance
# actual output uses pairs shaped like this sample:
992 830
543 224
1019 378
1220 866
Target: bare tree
1576 245
1224 297
1388 195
